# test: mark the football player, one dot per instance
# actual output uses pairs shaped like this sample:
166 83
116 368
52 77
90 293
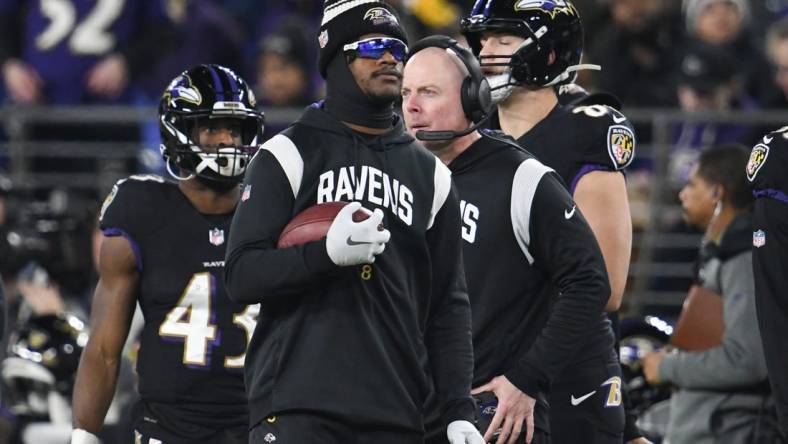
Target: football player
164 249
357 327
766 171
536 277
526 49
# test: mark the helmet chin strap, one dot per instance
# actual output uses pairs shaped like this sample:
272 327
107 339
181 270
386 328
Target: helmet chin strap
175 176
568 71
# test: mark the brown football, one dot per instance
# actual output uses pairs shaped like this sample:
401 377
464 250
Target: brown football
313 223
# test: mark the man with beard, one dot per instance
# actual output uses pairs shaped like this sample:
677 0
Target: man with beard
164 248
536 277
358 327
526 49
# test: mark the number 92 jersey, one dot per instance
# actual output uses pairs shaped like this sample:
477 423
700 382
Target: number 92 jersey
194 340
63 39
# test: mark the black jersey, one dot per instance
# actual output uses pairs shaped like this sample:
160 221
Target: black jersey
575 140
192 347
767 171
536 277
354 343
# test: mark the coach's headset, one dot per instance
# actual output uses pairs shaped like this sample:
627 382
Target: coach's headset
474 93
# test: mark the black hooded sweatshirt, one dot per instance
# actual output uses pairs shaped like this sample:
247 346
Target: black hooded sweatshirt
354 343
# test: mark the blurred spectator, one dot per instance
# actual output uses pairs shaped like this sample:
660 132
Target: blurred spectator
286 73
638 53
726 23
76 51
717 22
284 66
721 391
202 32
777 50
709 80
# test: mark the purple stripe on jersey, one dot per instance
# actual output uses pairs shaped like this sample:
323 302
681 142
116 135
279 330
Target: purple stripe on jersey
217 83
583 171
115 232
771 193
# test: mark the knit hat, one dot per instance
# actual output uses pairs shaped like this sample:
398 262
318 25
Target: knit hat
693 8
344 21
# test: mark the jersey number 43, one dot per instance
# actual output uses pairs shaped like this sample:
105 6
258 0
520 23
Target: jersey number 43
193 321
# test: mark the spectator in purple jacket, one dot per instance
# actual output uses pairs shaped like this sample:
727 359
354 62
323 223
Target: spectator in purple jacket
76 52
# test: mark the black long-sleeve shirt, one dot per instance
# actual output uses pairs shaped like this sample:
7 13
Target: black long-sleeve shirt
536 277
353 342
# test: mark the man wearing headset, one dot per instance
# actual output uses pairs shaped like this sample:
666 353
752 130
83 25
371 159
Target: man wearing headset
536 277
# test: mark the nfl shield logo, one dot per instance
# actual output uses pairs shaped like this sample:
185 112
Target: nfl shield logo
216 236
759 239
246 193
323 38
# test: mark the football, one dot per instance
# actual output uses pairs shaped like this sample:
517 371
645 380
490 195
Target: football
313 223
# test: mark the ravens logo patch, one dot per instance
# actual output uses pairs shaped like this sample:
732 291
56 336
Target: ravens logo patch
757 158
620 145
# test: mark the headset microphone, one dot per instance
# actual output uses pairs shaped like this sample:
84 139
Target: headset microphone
474 92
448 135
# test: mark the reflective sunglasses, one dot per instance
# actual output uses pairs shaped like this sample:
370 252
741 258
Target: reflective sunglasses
375 47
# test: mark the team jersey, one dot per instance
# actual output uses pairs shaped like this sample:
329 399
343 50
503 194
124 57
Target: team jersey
359 343
767 171
575 140
192 346
536 278
62 40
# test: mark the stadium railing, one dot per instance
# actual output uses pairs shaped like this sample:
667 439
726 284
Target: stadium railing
655 208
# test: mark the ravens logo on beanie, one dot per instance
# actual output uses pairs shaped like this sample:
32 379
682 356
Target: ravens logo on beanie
344 21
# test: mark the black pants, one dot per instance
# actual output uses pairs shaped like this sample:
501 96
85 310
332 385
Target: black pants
157 424
301 428
228 436
586 404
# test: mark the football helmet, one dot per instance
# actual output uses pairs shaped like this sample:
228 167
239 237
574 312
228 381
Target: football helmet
208 92
548 27
41 367
639 337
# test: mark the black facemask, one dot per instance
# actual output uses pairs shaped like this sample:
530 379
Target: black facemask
347 102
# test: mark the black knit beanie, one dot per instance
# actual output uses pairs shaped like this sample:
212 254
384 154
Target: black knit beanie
344 21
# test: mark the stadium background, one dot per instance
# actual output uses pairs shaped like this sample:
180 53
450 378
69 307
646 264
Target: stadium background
78 113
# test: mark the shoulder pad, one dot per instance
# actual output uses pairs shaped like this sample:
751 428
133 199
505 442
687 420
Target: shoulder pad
769 161
133 190
602 121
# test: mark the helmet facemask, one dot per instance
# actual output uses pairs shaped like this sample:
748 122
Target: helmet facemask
219 166
199 98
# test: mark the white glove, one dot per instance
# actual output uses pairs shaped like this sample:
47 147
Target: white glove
463 432
353 243
80 436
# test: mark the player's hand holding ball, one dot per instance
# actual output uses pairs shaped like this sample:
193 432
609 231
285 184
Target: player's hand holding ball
463 432
353 243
